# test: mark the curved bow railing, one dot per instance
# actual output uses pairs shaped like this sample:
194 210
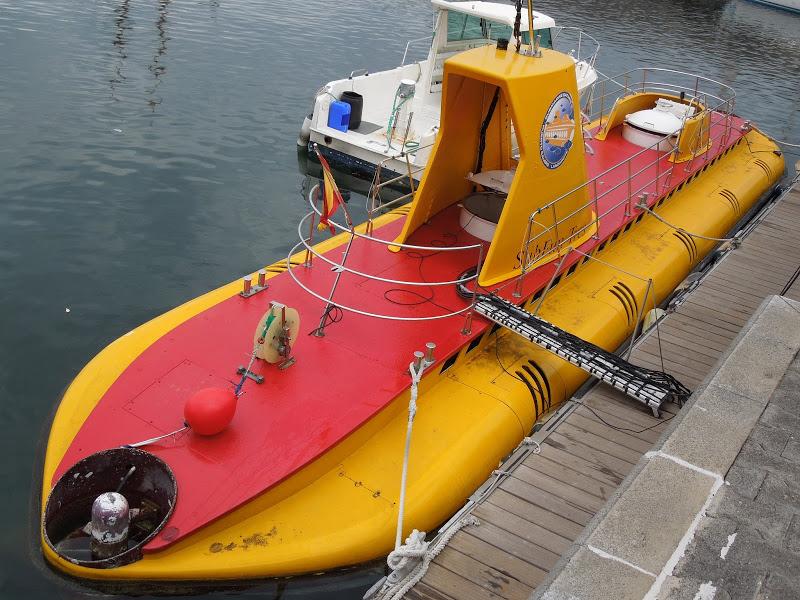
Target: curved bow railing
340 267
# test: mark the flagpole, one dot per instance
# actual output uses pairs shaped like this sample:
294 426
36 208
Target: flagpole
320 330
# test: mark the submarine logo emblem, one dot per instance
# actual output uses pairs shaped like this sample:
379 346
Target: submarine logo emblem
558 129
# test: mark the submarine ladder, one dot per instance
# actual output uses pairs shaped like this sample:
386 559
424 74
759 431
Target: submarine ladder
652 388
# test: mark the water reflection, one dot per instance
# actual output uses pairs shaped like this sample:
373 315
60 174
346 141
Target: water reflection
121 23
155 67
120 220
121 41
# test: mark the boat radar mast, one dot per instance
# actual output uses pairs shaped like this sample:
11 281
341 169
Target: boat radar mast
534 41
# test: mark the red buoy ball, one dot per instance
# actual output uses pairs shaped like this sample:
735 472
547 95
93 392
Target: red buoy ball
210 410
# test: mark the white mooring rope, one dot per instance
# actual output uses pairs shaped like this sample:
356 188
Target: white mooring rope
416 375
409 562
642 206
414 557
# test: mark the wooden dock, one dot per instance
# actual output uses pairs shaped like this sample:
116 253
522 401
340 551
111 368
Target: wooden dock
539 503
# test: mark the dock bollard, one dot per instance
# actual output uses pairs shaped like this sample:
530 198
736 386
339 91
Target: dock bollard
418 357
247 283
262 278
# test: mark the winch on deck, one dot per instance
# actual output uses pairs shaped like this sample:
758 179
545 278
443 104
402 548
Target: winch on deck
652 388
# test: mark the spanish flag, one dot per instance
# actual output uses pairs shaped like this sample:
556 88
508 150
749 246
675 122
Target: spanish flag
331 197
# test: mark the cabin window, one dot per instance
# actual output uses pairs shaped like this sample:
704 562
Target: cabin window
546 40
462 27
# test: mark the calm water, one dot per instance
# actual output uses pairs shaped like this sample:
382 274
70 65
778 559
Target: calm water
147 154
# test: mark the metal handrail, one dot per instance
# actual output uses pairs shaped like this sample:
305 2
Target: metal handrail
373 203
306 242
365 313
394 244
428 38
719 114
583 38
637 80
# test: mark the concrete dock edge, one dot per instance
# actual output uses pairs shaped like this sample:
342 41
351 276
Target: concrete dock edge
633 545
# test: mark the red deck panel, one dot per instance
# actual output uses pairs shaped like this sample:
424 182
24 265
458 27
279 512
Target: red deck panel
301 412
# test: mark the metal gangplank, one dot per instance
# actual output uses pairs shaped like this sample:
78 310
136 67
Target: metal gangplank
650 387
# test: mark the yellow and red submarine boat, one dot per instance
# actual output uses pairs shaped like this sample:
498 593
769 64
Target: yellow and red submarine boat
604 216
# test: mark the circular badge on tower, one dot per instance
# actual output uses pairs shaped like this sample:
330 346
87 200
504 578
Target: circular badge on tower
558 129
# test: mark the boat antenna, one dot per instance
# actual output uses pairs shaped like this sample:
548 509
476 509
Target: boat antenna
517 23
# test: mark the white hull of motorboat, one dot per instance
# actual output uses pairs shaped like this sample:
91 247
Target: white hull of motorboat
790 5
400 140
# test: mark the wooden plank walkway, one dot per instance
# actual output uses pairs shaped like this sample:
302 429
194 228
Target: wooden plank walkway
530 516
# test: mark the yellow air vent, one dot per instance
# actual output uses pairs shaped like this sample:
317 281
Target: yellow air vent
532 375
732 200
628 300
764 167
689 244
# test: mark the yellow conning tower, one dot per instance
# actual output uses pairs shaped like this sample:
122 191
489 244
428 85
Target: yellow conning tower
485 91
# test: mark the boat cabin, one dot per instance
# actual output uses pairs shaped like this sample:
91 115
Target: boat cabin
460 26
393 115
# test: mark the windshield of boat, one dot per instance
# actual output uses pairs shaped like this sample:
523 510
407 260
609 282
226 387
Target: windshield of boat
463 27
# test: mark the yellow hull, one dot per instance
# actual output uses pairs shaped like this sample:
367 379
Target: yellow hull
342 509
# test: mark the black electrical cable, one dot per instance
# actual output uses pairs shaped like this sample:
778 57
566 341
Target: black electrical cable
332 315
484 129
618 428
422 298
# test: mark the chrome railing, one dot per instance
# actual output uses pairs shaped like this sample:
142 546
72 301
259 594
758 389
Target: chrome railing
375 205
713 95
410 43
339 267
638 178
576 43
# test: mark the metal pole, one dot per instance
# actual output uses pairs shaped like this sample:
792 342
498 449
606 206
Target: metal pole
310 255
320 331
628 204
596 213
373 197
524 265
602 102
410 178
468 318
405 136
639 318
555 227
552 279
658 174
534 48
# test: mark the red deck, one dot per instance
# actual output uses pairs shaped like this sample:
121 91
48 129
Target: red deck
298 414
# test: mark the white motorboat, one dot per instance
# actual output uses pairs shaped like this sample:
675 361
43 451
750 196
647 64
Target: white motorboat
394 115
790 5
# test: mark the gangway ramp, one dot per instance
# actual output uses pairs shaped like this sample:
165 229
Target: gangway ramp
648 386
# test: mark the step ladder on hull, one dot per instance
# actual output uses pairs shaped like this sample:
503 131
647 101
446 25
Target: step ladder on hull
650 387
